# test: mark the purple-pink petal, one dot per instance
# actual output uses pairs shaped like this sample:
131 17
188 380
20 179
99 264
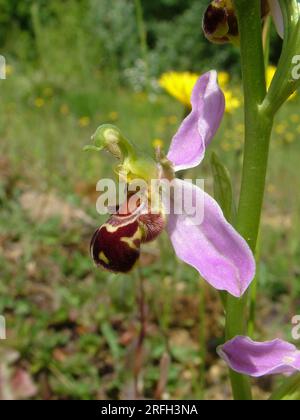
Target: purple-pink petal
188 146
277 16
211 245
259 359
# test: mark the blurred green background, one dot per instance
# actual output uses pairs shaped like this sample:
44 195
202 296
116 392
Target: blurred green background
72 330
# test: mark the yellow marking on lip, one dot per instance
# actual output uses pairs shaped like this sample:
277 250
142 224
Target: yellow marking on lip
130 241
113 229
110 228
103 258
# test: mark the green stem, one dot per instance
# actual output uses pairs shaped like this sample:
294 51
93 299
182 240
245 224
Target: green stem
258 128
283 85
253 293
202 340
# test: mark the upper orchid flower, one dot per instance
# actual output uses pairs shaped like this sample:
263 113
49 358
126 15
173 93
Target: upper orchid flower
259 359
213 247
220 23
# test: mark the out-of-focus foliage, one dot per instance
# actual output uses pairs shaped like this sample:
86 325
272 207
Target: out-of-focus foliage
174 35
105 32
117 18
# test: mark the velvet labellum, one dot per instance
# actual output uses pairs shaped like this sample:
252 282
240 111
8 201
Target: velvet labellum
116 245
220 23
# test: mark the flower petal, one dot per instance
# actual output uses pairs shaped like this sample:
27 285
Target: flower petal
277 16
197 130
258 359
213 247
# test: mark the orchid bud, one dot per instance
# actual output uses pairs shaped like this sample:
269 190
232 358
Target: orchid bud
220 23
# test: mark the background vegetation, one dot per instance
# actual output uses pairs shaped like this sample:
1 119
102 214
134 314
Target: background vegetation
72 329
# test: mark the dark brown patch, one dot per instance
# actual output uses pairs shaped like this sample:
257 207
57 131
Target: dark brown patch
214 18
117 250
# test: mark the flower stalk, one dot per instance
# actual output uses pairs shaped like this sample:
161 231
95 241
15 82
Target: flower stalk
283 84
258 127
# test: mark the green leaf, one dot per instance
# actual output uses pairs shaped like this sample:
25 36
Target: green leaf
223 188
112 340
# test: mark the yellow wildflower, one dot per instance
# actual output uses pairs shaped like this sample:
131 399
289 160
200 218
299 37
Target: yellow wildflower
158 144
181 84
226 146
270 73
113 116
48 91
271 188
9 69
290 137
280 129
240 128
173 119
39 102
295 118
232 102
223 78
84 122
64 109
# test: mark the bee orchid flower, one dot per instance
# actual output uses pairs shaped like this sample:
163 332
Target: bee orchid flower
220 23
212 246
